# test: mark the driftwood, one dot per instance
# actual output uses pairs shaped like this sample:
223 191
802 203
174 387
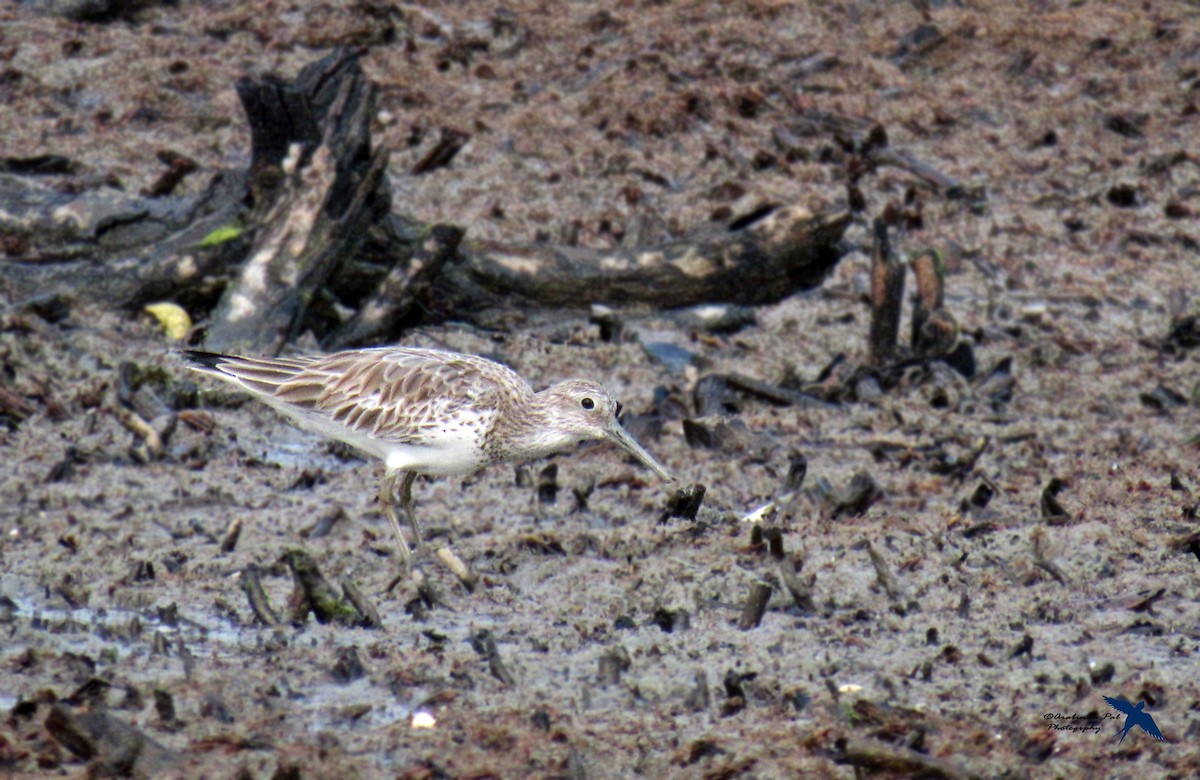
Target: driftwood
318 186
306 239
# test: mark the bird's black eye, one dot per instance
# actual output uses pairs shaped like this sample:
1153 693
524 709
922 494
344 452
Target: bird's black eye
588 403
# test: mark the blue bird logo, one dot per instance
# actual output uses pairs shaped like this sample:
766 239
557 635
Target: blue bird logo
1136 716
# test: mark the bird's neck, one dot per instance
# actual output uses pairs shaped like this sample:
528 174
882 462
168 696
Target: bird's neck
528 431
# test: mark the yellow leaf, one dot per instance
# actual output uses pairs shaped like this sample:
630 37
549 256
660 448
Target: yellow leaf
174 320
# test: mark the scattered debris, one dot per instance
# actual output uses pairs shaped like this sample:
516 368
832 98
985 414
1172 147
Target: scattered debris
684 503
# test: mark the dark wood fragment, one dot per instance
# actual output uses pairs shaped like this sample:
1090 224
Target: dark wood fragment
119 750
1147 604
252 585
735 691
800 590
699 698
857 497
1188 544
92 693
612 328
787 250
179 167
443 152
685 503
755 605
325 524
980 498
878 758
1183 333
38 165
14 406
485 645
887 298
1041 556
887 578
363 605
312 592
797 471
581 494
348 667
613 664
774 393
1024 647
547 484
67 731
671 620
1052 511
711 396
164 706
1102 674
774 539
400 290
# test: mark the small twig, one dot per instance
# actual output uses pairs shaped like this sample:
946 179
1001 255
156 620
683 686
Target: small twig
252 585
14 405
800 590
774 393
442 152
142 429
1041 556
232 534
485 644
458 568
1147 604
922 170
887 578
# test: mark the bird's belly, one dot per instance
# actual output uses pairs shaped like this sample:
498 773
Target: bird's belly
442 457
450 450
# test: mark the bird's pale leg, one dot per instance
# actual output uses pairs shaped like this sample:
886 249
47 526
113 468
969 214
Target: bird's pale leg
407 502
387 499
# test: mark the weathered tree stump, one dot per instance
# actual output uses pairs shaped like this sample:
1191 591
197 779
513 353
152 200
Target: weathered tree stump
317 186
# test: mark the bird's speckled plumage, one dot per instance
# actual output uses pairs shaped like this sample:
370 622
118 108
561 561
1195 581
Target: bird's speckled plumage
427 411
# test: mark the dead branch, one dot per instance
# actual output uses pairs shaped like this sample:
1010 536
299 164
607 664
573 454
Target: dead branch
307 234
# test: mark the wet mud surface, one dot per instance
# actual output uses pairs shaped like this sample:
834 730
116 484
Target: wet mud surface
1032 546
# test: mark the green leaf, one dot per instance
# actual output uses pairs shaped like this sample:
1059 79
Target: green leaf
221 235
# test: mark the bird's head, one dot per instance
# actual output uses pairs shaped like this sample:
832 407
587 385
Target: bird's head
580 410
